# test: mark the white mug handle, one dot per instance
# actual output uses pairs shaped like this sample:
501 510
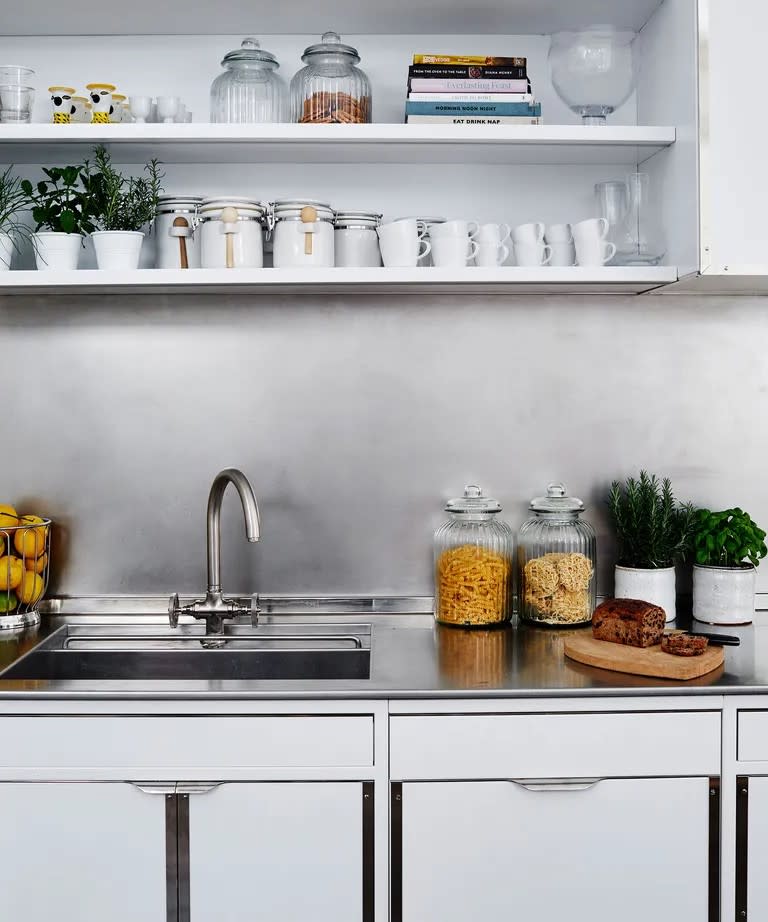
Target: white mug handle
503 255
421 229
548 256
427 248
611 248
476 231
606 227
474 246
540 228
504 232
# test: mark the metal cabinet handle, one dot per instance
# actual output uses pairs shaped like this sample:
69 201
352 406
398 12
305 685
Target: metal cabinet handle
555 784
154 788
195 788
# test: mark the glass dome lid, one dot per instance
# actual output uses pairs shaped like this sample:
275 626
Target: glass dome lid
557 501
331 43
473 502
249 52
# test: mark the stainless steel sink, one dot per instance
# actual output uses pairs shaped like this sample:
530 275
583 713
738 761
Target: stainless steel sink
296 651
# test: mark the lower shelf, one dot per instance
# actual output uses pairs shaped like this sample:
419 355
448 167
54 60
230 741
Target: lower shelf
504 280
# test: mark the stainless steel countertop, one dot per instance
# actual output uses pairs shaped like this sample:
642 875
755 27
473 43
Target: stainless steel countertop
411 658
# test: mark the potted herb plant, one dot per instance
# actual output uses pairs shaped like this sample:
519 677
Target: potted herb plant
13 202
126 204
654 532
728 547
63 209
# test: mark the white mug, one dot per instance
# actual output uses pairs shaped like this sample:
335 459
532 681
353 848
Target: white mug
528 233
493 233
558 233
560 239
532 254
454 229
401 243
452 251
592 249
490 253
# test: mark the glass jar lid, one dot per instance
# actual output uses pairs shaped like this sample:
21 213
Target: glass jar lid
249 52
557 501
331 43
473 502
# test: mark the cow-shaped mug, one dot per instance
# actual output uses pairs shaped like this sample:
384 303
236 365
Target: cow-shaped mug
61 100
101 102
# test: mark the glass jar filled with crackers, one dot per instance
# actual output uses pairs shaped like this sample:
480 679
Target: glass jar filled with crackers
331 88
473 563
557 562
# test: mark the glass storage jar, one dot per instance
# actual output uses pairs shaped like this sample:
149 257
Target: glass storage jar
331 88
473 563
557 561
249 90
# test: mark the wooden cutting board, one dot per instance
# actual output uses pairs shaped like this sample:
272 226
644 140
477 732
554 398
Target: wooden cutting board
649 661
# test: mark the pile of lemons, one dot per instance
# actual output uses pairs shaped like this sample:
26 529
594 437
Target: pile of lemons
23 559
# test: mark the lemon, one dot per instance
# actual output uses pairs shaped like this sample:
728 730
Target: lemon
30 542
8 602
8 516
37 564
30 588
11 571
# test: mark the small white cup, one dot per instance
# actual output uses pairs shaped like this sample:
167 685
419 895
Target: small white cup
493 233
141 107
563 254
454 229
167 107
528 233
402 244
558 233
491 253
532 254
592 249
453 251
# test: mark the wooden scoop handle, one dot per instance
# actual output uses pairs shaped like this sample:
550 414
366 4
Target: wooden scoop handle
182 222
308 216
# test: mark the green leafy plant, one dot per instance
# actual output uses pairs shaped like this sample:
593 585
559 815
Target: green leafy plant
13 202
125 203
65 201
727 539
653 530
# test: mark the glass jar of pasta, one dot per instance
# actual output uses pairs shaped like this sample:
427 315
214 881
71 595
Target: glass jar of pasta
557 562
473 563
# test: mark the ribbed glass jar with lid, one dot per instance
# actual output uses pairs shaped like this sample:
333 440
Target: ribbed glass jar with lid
249 90
557 561
331 88
473 563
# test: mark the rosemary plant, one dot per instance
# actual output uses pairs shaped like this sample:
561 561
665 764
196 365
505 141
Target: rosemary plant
653 530
125 203
13 201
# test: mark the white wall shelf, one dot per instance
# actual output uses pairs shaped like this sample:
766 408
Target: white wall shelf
388 143
505 280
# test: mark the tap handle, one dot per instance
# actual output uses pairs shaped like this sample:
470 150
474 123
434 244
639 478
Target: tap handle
173 610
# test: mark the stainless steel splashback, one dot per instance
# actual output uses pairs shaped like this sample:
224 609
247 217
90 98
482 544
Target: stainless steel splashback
355 418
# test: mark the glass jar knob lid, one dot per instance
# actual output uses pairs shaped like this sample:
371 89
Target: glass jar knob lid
250 50
331 43
557 500
473 502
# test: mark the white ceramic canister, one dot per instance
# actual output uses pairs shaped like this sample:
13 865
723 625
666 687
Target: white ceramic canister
168 239
297 243
243 238
355 239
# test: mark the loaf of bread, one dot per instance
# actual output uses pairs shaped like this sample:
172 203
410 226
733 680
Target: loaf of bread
629 621
681 643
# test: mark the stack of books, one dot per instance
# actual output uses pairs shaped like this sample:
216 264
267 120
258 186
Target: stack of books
467 90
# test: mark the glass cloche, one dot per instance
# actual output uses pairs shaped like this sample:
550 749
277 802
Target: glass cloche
249 90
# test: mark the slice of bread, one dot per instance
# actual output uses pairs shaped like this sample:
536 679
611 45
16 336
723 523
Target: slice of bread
682 644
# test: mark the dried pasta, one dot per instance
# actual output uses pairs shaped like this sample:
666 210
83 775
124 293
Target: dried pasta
472 586
556 588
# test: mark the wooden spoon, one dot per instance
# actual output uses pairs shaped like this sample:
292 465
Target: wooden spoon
230 215
182 222
308 216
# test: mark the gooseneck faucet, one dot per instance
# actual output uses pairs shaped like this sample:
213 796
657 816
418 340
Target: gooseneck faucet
215 608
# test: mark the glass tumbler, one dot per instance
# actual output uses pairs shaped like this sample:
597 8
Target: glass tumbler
612 205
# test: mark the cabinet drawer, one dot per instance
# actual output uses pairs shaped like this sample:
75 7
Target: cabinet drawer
752 736
179 744
555 745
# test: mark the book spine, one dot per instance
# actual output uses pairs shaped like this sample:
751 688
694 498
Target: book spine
465 72
469 60
454 120
471 97
473 108
438 85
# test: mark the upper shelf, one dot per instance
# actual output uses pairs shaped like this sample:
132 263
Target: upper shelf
208 143
240 17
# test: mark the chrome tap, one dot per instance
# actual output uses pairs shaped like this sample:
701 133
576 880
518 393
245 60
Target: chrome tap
214 609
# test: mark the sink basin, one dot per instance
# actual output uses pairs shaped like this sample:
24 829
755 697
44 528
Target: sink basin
299 651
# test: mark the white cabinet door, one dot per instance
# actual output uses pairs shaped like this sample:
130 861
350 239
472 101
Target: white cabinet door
277 852
81 852
752 847
631 850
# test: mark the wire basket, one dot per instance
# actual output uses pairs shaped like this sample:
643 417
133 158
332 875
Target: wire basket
25 561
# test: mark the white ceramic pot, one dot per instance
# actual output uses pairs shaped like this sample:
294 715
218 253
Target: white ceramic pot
6 251
240 241
724 595
117 250
57 252
654 586
292 238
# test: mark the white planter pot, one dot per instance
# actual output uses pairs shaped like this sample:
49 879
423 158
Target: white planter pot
6 251
654 586
57 252
117 250
724 595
